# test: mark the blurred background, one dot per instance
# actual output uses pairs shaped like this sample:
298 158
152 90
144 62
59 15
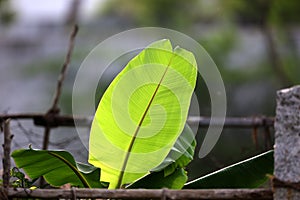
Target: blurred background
255 44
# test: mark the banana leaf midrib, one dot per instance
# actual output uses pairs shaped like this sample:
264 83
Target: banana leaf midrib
79 175
119 184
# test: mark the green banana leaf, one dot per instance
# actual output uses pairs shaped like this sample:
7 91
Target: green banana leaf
57 167
142 113
249 173
170 173
158 180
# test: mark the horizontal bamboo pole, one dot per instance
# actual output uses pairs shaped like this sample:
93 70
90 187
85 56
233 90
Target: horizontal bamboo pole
143 193
49 120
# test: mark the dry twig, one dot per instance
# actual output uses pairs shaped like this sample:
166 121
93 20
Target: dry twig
6 159
54 109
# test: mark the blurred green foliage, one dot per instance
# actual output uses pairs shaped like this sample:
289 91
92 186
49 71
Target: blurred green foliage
285 12
6 13
258 12
166 13
182 15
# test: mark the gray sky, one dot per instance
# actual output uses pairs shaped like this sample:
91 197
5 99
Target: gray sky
54 10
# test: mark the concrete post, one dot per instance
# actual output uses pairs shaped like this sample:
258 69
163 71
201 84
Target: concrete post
287 145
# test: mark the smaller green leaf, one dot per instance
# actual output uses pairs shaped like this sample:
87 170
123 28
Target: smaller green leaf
170 172
57 167
91 174
19 179
157 180
181 154
249 173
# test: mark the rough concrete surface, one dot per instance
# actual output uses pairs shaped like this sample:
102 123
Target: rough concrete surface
287 141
